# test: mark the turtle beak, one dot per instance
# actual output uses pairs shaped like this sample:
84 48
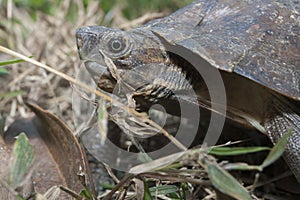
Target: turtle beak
87 44
87 41
84 42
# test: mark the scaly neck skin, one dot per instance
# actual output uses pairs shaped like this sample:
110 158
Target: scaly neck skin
283 117
156 81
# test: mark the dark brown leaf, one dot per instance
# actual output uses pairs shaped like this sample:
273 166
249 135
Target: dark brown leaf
58 154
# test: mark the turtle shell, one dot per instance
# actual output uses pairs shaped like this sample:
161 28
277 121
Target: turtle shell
257 39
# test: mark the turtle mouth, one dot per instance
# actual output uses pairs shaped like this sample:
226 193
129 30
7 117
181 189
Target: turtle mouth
101 75
96 70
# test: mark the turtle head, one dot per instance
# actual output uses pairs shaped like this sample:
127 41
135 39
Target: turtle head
146 69
132 52
93 41
126 48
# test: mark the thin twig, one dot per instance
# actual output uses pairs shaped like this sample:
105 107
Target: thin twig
111 174
71 192
118 186
89 173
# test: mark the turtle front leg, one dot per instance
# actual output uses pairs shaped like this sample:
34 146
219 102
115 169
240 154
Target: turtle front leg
285 117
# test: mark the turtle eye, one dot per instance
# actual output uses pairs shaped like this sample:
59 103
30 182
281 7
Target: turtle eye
116 45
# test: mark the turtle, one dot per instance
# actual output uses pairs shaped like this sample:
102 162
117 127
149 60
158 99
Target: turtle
254 45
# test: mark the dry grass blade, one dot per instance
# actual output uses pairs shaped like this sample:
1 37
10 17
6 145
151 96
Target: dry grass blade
167 177
111 66
156 164
98 93
70 192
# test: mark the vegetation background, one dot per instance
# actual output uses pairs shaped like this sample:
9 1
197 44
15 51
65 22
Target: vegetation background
45 30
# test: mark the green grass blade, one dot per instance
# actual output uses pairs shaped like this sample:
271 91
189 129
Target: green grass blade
233 151
163 189
147 193
224 182
9 62
106 185
86 193
4 71
10 94
277 150
241 166
23 156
